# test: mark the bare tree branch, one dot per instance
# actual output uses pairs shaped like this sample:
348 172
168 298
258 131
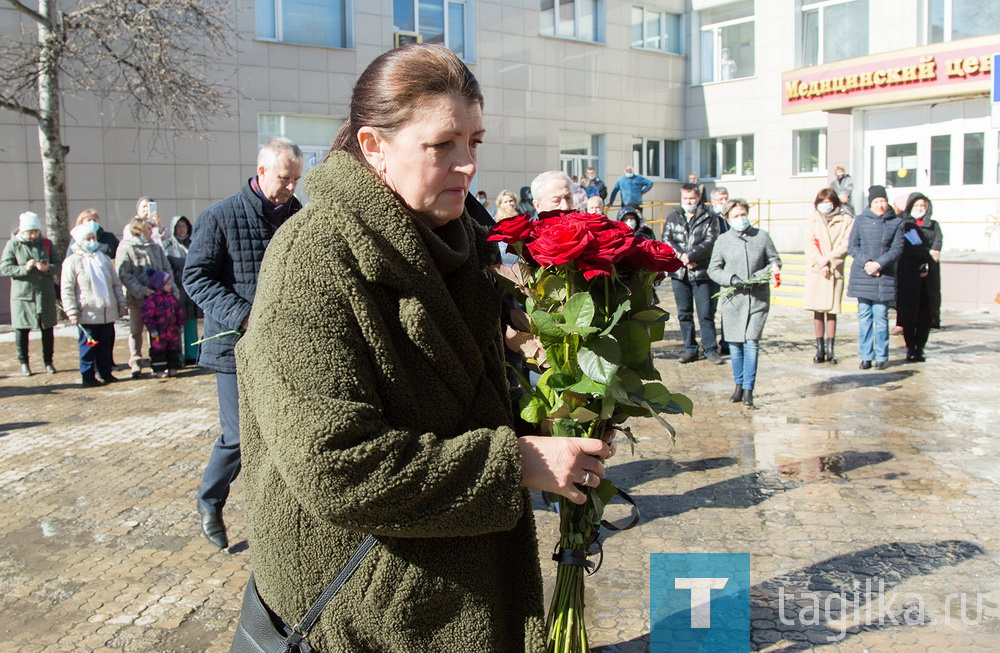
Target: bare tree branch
14 106
31 13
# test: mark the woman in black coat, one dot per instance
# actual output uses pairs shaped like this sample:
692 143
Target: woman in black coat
918 288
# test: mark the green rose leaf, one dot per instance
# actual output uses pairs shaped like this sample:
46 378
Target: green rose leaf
624 306
546 325
600 359
583 415
651 315
633 337
684 403
589 387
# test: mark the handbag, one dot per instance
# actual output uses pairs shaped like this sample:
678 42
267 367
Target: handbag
259 630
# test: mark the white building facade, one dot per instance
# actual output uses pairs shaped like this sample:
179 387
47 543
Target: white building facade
670 86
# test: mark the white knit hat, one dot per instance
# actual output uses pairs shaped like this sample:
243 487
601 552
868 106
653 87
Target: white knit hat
29 221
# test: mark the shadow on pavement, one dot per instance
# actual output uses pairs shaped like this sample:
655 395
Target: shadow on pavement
843 586
35 390
755 488
868 379
5 429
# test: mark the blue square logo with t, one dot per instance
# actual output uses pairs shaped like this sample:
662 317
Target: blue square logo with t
700 602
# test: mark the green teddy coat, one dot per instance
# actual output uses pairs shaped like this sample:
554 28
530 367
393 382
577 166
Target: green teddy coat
32 292
373 400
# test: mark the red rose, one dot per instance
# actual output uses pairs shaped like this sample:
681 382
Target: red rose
558 240
512 230
605 249
652 255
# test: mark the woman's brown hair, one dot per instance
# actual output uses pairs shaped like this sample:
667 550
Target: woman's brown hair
137 225
396 84
87 213
828 194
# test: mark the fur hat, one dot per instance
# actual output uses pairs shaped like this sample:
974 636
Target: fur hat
29 221
156 278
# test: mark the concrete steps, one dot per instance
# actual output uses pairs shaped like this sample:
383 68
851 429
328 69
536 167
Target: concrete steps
793 281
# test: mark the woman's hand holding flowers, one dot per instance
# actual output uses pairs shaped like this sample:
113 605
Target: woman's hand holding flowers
558 465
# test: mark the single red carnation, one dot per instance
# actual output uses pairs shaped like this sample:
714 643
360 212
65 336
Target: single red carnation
512 230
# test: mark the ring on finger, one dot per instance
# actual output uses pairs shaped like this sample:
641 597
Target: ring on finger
586 478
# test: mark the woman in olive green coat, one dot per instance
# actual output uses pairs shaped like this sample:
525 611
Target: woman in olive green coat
33 267
372 392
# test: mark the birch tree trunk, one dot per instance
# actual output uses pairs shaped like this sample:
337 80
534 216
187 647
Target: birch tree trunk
49 133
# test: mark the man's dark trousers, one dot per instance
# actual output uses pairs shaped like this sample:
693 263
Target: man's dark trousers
687 295
225 463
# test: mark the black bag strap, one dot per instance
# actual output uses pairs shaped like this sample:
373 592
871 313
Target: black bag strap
301 629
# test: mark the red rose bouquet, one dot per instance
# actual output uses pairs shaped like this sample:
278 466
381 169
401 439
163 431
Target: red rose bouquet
586 284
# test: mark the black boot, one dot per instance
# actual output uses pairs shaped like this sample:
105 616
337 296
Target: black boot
830 356
737 395
212 527
748 398
820 356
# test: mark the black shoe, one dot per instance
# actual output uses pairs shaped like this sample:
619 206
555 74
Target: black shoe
213 528
880 365
748 398
109 378
90 383
865 365
737 395
918 357
714 359
136 374
820 356
688 357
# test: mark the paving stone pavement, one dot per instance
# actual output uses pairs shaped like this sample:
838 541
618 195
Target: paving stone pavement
840 476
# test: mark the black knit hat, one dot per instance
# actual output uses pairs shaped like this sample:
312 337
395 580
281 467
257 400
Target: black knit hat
877 191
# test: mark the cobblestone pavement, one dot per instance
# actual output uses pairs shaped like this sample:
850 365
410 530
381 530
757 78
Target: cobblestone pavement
840 476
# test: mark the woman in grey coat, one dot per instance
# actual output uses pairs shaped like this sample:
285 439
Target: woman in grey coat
739 254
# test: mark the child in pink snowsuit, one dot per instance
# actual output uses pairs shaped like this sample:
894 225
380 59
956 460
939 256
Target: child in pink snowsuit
164 319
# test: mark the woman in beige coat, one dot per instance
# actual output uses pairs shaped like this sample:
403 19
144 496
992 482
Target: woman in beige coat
826 248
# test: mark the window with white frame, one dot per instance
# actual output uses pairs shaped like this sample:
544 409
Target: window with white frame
446 22
810 151
950 20
572 19
579 151
322 23
727 42
656 30
729 156
833 30
656 157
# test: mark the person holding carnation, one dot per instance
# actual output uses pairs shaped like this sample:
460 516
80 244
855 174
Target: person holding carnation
373 398
826 249
740 255
93 299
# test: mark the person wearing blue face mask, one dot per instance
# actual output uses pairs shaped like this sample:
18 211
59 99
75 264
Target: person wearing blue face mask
93 299
135 255
739 254
632 188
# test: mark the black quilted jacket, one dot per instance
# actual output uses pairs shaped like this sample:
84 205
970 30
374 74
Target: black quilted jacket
696 240
221 270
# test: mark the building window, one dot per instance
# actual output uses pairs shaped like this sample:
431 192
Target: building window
445 22
305 22
731 156
950 20
941 160
656 157
656 30
833 30
901 165
313 134
577 152
727 42
972 168
810 151
573 19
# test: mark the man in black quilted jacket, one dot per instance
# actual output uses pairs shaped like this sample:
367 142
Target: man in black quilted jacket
220 275
691 231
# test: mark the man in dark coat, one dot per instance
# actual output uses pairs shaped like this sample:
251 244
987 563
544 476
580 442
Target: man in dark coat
876 243
691 231
220 275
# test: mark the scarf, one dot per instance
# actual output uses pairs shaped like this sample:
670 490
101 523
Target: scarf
98 279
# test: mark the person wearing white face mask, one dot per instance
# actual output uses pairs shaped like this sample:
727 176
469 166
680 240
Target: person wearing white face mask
93 299
826 240
691 231
918 291
739 254
632 188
